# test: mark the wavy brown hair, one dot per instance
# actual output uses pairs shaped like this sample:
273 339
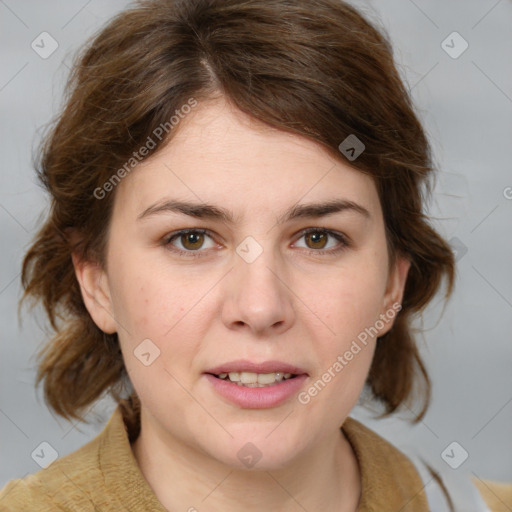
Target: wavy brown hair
316 68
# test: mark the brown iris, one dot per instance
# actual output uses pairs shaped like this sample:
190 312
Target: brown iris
317 237
193 240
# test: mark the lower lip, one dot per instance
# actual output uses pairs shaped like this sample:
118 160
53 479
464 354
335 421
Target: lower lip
257 398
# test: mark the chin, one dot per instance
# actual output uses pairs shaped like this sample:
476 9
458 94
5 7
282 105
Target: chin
258 453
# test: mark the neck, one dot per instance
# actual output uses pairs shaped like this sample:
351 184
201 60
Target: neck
326 478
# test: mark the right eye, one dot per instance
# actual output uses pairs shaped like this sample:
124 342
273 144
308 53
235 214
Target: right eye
191 241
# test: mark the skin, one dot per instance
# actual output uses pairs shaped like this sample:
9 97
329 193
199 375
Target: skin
291 304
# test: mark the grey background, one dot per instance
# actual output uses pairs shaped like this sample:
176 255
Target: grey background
466 106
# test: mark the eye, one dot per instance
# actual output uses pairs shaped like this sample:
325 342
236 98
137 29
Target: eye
191 240
317 239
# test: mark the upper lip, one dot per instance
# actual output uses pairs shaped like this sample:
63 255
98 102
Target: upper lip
243 365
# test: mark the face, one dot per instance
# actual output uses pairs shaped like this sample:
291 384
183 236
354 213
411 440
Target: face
269 287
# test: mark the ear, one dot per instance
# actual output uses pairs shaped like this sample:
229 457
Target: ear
95 290
392 300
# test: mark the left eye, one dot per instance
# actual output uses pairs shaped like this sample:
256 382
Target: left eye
191 240
317 240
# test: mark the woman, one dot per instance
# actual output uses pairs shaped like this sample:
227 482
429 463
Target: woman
235 249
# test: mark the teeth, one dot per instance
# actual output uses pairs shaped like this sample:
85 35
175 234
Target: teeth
269 378
251 379
248 378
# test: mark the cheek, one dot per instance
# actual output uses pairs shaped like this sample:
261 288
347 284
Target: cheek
351 301
164 308
146 303
349 305
343 359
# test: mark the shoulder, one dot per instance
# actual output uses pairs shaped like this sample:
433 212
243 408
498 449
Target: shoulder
51 487
70 480
384 465
374 452
388 477
497 495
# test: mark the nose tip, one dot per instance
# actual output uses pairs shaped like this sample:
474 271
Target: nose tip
258 297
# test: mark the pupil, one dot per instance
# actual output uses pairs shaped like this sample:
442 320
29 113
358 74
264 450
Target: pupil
193 239
318 237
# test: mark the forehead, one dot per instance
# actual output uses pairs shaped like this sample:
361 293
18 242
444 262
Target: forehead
222 156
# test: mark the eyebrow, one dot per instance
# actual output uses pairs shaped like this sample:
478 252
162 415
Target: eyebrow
208 211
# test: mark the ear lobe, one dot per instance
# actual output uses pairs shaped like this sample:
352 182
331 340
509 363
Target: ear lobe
95 290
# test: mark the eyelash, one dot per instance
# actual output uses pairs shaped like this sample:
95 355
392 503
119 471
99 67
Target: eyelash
345 243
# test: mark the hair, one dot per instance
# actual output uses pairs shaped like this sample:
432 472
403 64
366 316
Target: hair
314 68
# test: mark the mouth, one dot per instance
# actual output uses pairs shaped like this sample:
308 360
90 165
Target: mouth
255 380
256 385
256 375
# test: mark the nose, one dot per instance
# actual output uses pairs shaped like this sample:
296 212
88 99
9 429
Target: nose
257 297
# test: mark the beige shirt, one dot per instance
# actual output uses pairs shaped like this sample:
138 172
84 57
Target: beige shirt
104 475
